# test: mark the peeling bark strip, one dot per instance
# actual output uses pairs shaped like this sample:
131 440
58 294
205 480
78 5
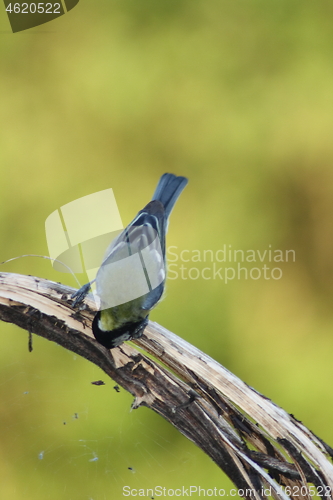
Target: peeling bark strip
276 455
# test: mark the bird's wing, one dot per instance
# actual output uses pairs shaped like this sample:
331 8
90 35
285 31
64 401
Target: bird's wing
133 265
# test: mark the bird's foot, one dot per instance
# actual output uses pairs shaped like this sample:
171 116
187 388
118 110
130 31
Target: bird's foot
80 294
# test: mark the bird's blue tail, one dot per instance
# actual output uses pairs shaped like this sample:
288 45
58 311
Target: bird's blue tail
168 189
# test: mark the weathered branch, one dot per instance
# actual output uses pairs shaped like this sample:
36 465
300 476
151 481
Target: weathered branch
202 399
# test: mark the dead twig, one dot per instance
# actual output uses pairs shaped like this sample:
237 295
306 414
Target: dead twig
264 450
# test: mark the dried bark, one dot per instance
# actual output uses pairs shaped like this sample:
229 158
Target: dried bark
264 450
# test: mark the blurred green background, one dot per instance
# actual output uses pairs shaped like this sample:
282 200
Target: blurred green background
237 96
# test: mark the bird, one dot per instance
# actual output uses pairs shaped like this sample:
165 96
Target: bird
131 279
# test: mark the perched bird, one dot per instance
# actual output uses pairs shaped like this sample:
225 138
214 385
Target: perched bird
131 278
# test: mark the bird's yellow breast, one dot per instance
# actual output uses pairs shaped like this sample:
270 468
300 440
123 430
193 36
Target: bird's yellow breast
116 317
